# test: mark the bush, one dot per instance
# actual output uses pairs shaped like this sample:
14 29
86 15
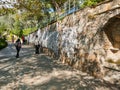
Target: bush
3 43
91 2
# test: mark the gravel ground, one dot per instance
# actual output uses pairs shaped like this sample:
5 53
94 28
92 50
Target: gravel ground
40 72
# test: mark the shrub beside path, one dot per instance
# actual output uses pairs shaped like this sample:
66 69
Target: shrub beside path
40 72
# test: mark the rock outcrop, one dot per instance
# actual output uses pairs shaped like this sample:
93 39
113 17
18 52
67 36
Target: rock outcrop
85 39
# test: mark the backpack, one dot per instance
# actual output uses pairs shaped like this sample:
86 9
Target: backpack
18 44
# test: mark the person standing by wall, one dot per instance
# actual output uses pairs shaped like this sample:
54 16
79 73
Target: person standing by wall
18 47
36 45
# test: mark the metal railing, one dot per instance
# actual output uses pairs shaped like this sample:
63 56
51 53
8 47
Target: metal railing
70 9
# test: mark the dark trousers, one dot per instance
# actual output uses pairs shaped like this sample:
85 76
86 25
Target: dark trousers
37 49
18 50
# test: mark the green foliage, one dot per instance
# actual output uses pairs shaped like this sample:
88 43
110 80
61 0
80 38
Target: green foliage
18 28
91 2
23 32
37 12
33 8
3 43
17 25
29 30
6 11
2 28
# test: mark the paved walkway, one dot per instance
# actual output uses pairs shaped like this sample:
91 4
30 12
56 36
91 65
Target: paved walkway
31 72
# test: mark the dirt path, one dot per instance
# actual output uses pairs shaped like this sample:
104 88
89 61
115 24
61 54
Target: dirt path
40 72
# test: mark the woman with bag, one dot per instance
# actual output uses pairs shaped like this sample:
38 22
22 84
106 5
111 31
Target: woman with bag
18 47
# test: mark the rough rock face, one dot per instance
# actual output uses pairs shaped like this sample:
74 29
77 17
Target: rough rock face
85 39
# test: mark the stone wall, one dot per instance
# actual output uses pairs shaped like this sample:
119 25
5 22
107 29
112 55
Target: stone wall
85 39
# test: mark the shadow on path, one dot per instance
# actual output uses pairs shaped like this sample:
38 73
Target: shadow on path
40 72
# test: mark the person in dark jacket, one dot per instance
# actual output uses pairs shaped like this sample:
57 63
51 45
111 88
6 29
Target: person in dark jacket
37 46
18 47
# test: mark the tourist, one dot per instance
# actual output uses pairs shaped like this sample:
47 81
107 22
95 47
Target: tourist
23 39
18 47
37 46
